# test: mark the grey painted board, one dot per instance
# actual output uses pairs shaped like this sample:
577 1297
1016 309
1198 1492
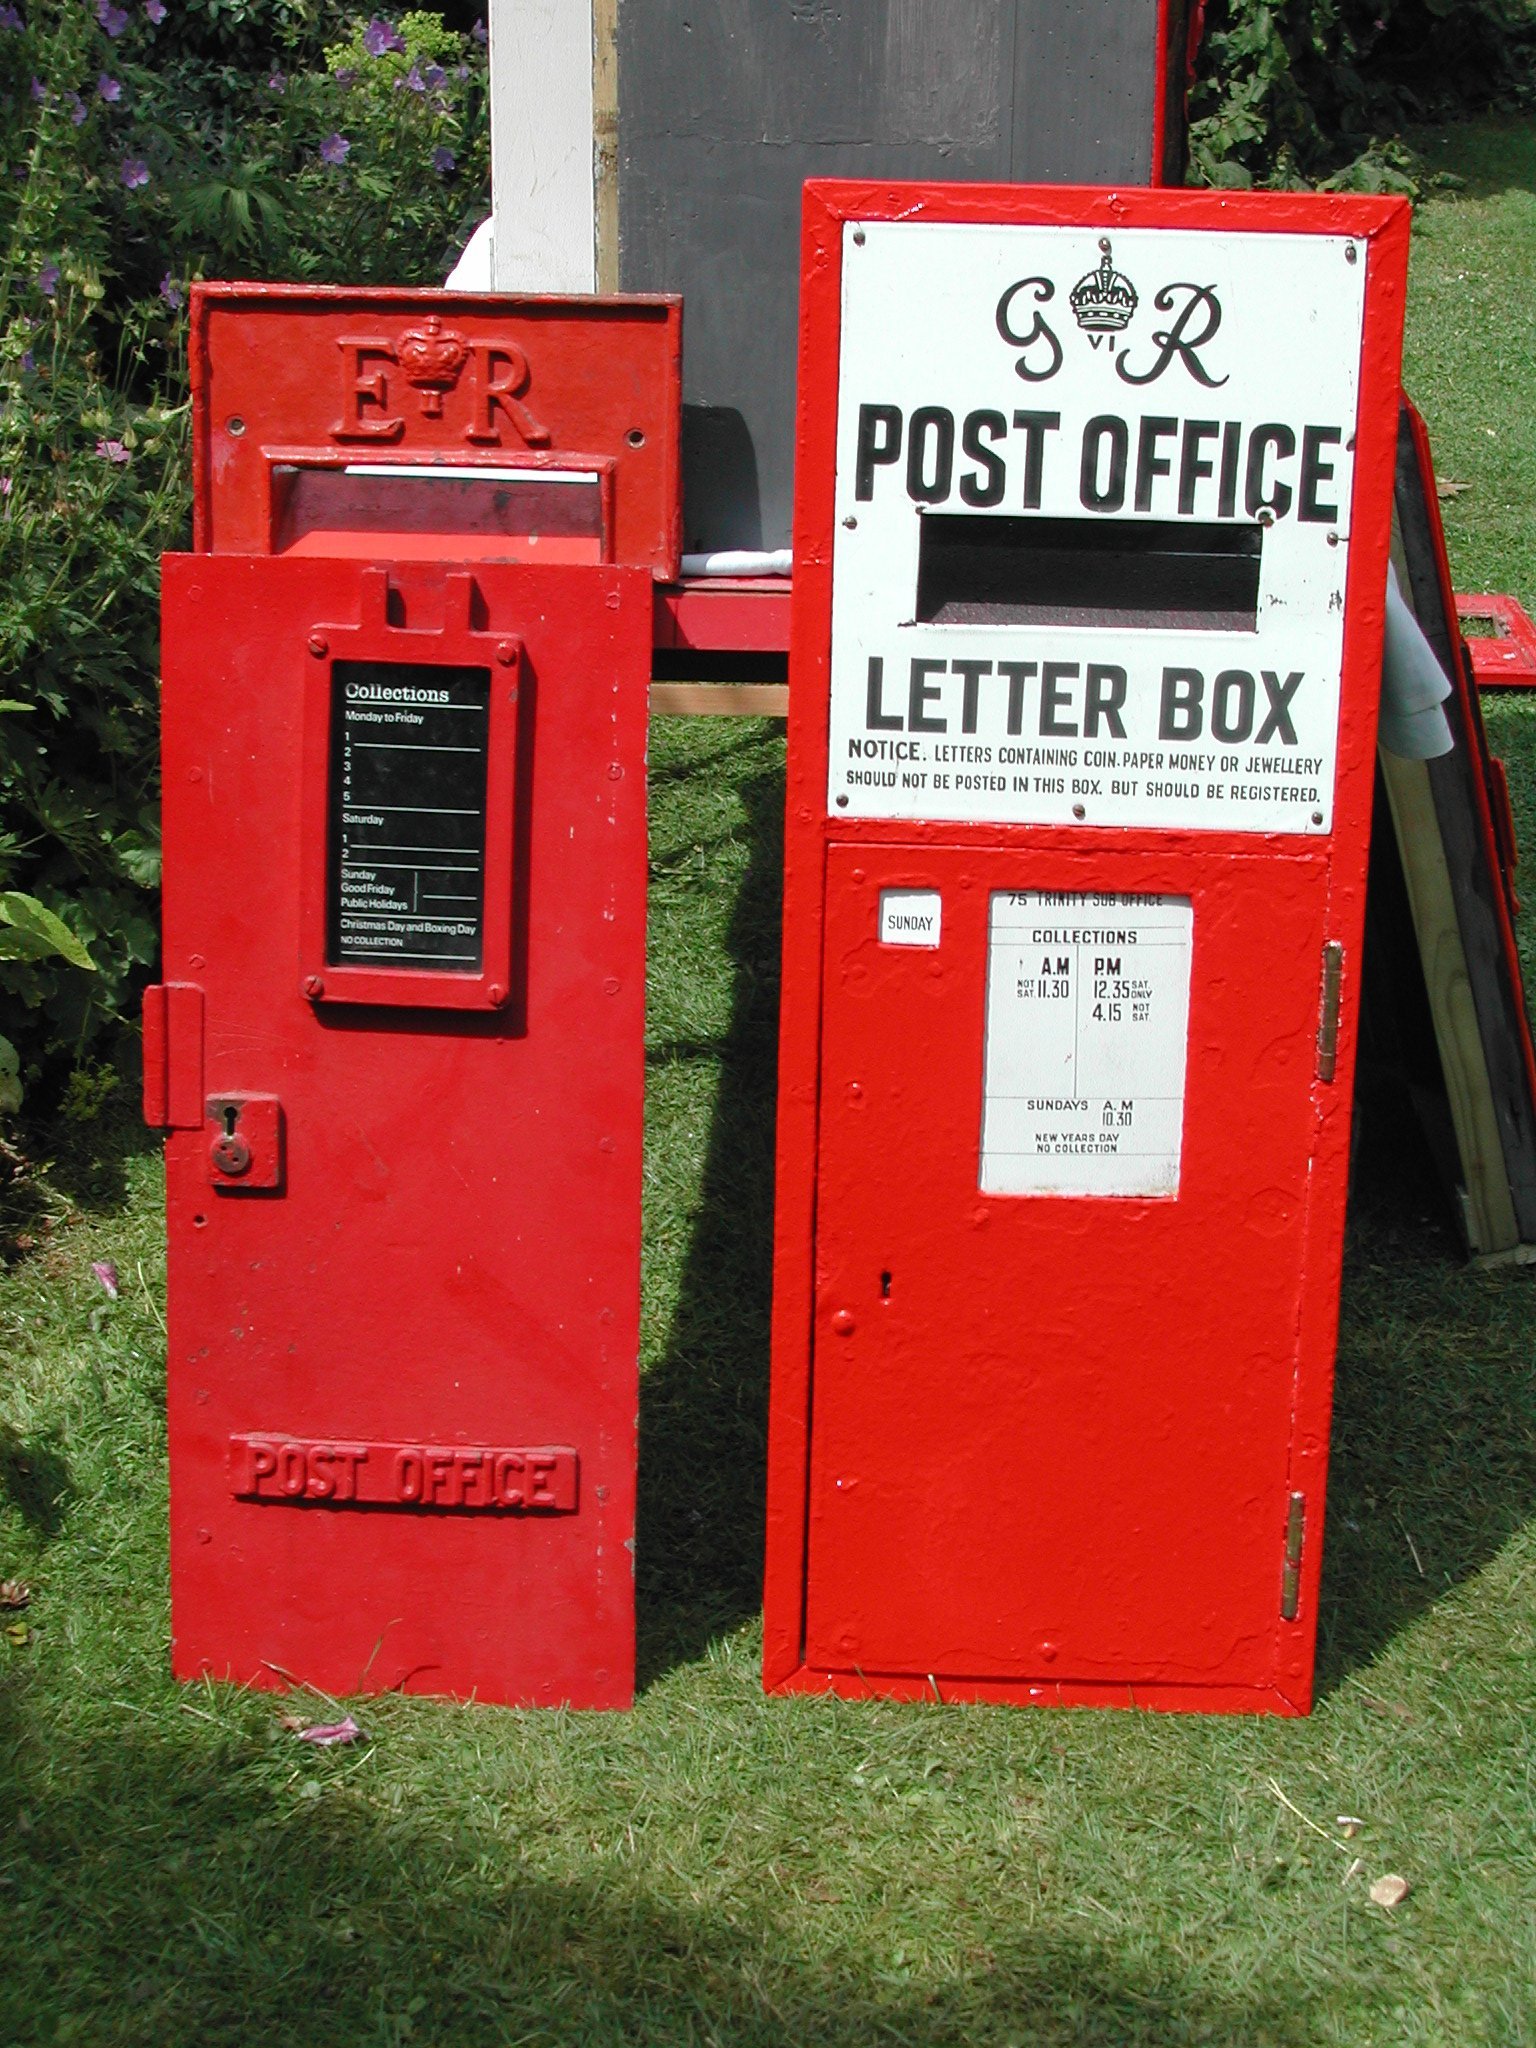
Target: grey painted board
727 106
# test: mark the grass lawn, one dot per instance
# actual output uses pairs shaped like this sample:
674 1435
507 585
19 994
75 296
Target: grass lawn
715 1868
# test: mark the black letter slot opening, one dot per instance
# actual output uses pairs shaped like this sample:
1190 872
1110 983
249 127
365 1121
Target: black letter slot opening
977 569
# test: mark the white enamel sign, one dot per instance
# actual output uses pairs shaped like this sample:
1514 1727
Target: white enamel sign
1087 1008
1092 524
911 917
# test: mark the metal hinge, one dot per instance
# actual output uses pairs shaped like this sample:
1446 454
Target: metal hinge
1290 1576
173 1056
1328 1021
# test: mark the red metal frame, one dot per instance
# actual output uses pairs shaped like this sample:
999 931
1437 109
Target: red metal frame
322 980
1285 1687
735 614
1506 658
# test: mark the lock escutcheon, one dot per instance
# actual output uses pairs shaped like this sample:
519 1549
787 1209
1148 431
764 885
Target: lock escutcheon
245 1142
231 1155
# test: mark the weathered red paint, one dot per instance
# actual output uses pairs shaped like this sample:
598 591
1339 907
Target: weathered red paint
404 1199
1042 1451
306 377
1506 658
725 614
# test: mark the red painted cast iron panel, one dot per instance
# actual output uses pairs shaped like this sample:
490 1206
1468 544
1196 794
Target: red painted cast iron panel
1040 1445
294 385
403 1337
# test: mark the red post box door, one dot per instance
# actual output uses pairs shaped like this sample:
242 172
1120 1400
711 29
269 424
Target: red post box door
402 1055
1052 1432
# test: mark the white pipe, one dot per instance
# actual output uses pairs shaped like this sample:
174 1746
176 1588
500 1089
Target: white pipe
740 562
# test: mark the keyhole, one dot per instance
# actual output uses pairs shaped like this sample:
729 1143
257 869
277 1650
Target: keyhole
231 1118
885 1286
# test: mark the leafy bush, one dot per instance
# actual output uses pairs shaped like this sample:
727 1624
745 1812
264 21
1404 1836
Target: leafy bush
253 138
1301 91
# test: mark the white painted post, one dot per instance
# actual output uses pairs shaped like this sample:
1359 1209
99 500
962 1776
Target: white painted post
543 169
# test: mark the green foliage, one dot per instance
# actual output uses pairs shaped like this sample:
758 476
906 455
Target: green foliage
254 138
1291 92
32 932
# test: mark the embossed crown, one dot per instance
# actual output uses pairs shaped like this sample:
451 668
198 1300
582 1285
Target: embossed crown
1105 299
432 356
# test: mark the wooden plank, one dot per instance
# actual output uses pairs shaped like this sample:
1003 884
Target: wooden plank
1458 783
605 139
720 700
1488 1210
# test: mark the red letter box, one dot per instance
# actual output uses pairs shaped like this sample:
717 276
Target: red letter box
1094 499
399 1042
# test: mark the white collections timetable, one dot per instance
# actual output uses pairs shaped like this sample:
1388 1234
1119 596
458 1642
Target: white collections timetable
1087 1017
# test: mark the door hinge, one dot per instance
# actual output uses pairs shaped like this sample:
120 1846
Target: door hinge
1290 1576
1328 1020
173 1056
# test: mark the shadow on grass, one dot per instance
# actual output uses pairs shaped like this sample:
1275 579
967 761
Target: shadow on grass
163 1890
704 1405
76 1162
1491 155
1433 1460
35 1479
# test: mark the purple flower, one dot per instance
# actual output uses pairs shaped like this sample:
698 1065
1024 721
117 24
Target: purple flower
113 451
335 149
104 1269
109 88
443 160
113 19
155 11
414 82
28 361
435 76
5 486
277 82
478 32
380 36
346 74
76 107
462 71
39 90
9 18
48 280
170 291
135 172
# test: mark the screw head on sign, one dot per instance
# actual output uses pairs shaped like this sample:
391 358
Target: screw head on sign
1079 810
319 645
313 985
495 995
506 652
